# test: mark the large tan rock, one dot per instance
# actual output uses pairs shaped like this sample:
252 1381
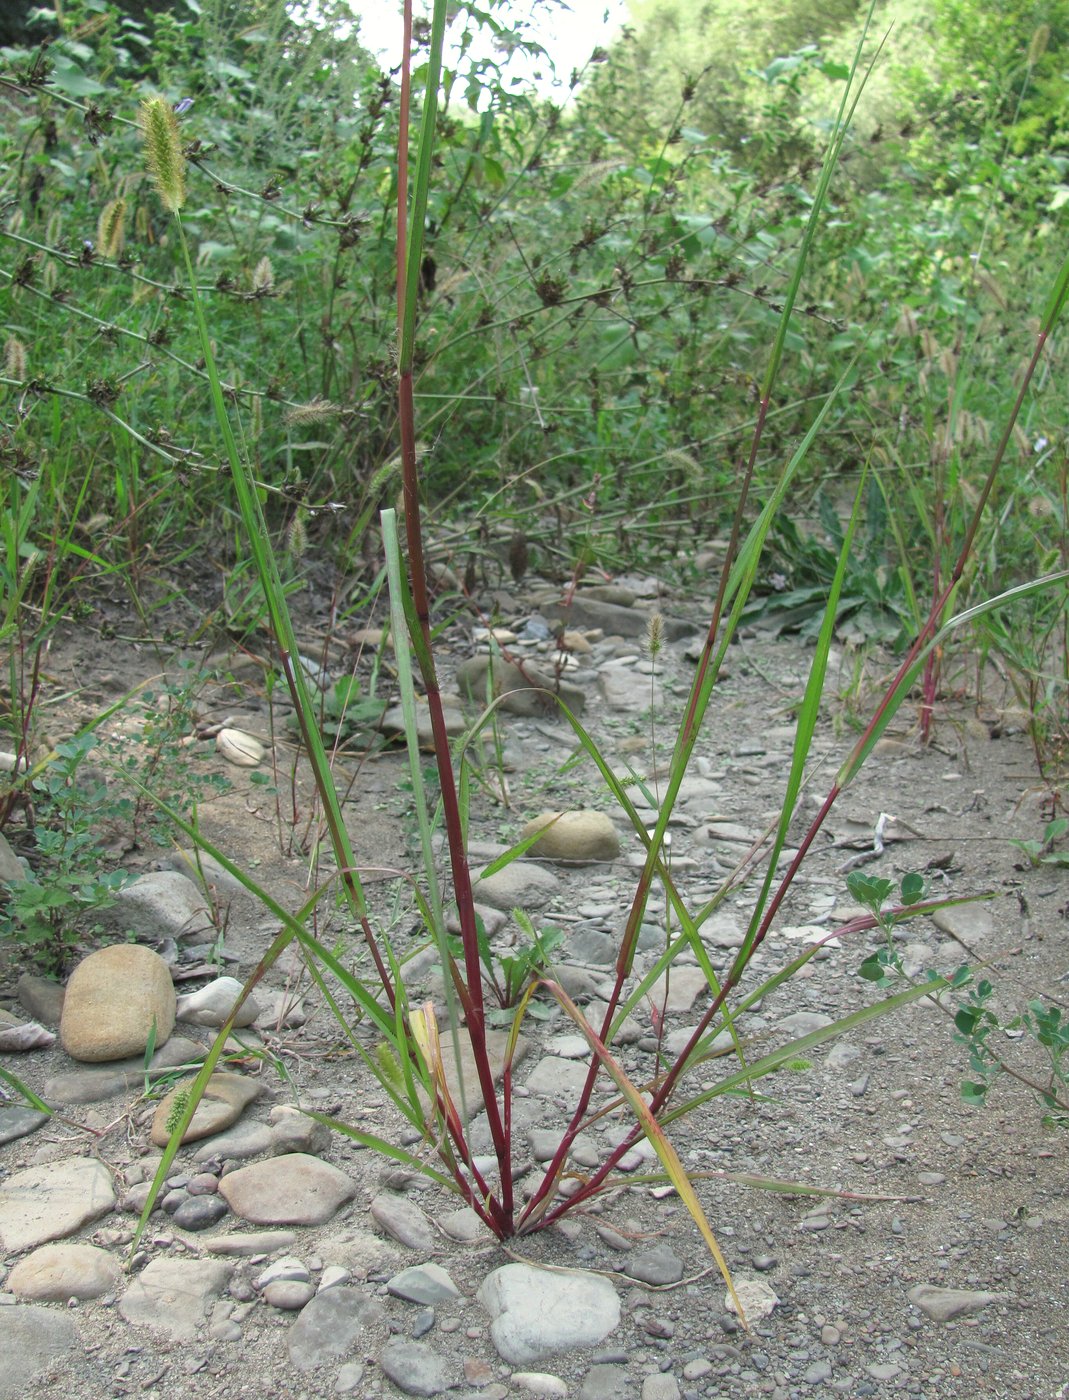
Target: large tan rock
295 1189
112 999
56 1272
225 1097
573 836
47 1203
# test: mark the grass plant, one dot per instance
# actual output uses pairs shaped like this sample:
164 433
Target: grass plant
654 293
413 1057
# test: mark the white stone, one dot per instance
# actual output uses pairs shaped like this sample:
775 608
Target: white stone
212 1004
50 1202
536 1314
290 1269
756 1296
539 1383
238 748
175 1295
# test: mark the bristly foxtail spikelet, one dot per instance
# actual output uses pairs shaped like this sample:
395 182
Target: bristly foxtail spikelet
315 411
263 278
15 359
111 228
297 537
654 633
1038 47
163 150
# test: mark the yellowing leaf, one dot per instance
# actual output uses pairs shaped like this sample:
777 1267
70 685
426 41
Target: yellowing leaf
674 1169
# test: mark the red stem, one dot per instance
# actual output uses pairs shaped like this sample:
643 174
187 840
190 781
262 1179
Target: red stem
476 1021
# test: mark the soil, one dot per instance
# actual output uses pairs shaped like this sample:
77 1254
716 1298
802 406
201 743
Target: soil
937 1192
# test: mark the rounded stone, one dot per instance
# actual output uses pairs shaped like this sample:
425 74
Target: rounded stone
113 999
294 1131
199 1212
540 1383
56 1272
161 904
536 1314
225 1097
573 836
294 1189
288 1294
202 1184
212 1004
657 1266
285 1270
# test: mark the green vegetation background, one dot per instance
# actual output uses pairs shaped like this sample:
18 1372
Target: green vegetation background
602 281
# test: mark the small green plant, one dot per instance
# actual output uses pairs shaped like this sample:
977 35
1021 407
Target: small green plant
1040 851
346 713
68 879
872 893
876 603
977 1026
162 725
510 975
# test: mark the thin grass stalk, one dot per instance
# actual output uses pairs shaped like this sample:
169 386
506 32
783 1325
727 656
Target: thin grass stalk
282 629
409 256
455 990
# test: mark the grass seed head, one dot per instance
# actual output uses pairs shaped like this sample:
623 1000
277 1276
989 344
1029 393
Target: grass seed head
315 411
297 537
163 152
14 359
263 278
1038 47
111 228
654 633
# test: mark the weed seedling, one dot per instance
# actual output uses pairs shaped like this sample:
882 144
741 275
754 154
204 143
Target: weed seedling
68 878
1041 851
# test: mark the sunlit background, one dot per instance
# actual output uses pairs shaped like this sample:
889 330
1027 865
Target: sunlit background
568 33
